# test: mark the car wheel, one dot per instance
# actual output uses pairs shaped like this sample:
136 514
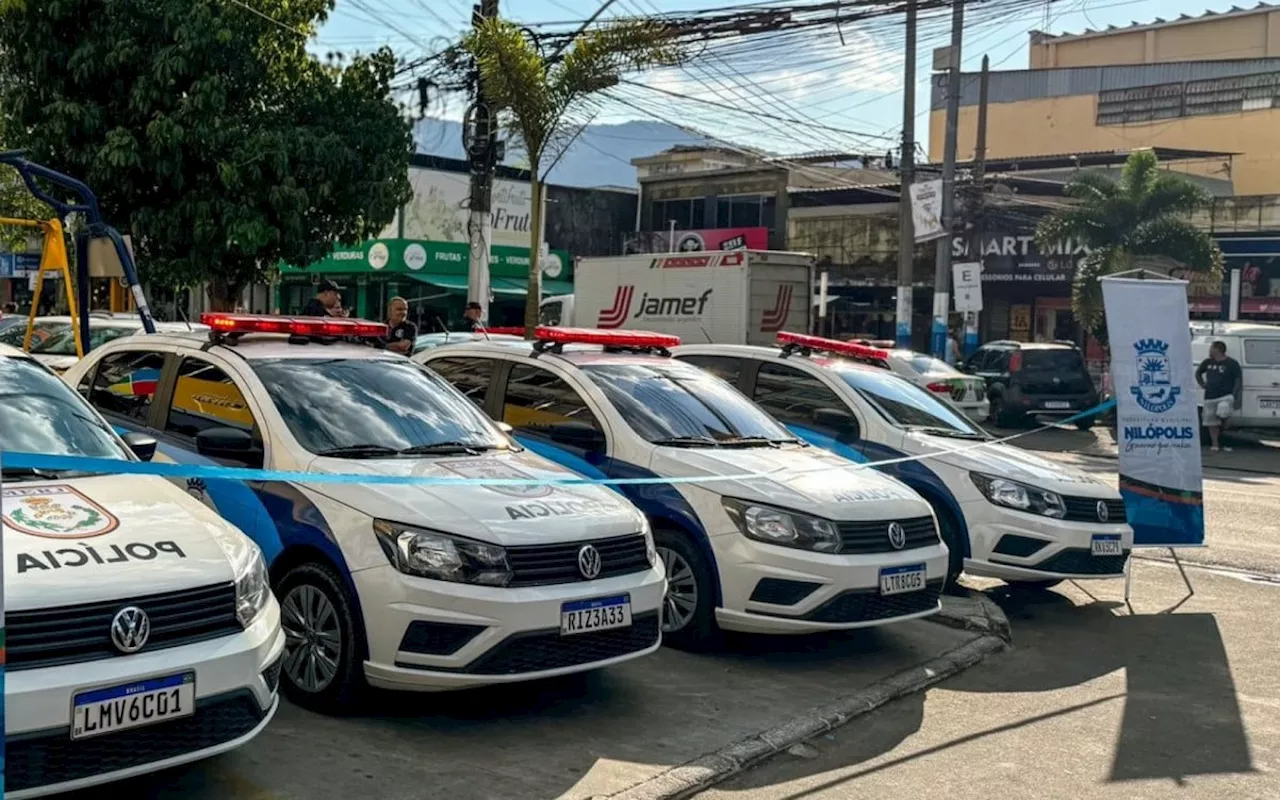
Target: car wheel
999 414
949 529
688 610
322 667
1034 585
1086 423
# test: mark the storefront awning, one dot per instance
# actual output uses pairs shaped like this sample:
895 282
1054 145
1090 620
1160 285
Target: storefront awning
505 287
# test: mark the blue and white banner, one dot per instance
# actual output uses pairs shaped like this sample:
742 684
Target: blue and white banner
1157 421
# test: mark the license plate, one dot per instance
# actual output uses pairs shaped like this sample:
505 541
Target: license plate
600 614
1057 404
132 705
907 578
1269 402
1106 545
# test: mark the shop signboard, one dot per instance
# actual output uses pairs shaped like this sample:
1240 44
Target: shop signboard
699 240
407 256
926 210
1017 258
439 209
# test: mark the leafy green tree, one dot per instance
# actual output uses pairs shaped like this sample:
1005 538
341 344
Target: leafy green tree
207 129
1143 215
536 94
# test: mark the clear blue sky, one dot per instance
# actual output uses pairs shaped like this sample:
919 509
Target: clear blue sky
855 86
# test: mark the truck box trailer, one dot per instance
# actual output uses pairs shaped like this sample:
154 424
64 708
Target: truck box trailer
731 297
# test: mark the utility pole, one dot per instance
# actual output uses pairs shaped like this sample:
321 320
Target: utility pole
906 231
482 155
970 343
942 263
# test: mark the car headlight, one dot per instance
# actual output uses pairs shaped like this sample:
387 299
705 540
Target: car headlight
442 557
779 526
253 587
1020 496
650 549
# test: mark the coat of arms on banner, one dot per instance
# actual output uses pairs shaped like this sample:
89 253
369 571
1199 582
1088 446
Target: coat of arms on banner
1155 391
56 512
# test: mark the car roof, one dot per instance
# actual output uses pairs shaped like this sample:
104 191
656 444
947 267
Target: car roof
820 359
255 346
576 354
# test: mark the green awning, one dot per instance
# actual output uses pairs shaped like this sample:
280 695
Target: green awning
505 287
441 279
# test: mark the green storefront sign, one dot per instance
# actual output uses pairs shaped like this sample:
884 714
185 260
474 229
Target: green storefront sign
423 272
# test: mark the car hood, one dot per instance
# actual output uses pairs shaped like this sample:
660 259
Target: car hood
806 479
111 537
506 515
1007 461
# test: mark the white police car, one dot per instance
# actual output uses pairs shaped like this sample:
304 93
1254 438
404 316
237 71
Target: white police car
1004 513
141 632
774 536
405 586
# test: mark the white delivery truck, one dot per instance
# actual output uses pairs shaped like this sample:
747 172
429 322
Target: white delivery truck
730 297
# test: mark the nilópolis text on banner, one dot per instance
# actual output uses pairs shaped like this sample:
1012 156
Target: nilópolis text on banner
1157 419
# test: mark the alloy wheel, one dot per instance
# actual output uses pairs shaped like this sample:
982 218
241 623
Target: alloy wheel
682 591
313 640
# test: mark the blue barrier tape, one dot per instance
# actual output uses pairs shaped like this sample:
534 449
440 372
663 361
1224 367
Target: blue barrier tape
111 466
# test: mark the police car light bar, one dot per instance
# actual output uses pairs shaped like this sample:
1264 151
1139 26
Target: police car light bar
818 344
233 324
622 340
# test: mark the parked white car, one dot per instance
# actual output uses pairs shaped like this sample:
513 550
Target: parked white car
140 628
966 392
1004 513
53 339
399 585
812 544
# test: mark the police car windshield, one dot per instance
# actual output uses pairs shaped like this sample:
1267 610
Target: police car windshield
679 403
903 403
41 414
372 407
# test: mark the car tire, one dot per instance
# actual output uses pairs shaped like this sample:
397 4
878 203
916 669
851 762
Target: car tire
999 415
1085 424
689 578
1035 586
316 611
949 530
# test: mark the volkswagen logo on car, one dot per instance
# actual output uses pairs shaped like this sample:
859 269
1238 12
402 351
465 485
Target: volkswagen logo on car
589 562
1103 513
897 536
130 629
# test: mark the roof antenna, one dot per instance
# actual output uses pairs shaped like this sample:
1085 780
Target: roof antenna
704 333
178 307
443 327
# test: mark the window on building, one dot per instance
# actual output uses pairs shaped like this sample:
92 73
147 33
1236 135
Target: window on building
1230 95
688 214
745 211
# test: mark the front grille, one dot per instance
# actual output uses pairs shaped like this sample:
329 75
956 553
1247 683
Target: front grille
271 675
1021 546
1082 562
868 605
546 564
543 650
779 592
859 538
72 634
437 638
52 757
1085 509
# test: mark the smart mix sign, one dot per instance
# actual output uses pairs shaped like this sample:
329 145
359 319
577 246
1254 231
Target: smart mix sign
1017 258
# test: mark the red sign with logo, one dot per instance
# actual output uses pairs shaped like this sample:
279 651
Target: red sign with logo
700 240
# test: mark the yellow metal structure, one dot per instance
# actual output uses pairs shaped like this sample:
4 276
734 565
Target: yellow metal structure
53 258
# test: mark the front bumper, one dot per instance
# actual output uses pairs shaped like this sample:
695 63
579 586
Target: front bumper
1010 545
236 679
427 635
1040 406
814 592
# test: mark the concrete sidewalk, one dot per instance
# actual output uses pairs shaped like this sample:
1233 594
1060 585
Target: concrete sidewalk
1250 452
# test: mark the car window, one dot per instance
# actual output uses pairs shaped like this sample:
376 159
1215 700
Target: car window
39 413
359 404
471 376
669 400
126 382
61 340
206 397
792 395
16 335
725 368
923 364
1056 361
902 403
535 399
551 313
1262 352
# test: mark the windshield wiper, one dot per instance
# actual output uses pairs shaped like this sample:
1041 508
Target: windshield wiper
949 432
686 441
360 451
446 449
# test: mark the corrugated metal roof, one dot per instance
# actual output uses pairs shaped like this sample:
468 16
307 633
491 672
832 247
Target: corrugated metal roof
1028 84
1133 27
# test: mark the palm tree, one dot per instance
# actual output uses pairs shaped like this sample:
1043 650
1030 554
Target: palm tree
536 95
1143 215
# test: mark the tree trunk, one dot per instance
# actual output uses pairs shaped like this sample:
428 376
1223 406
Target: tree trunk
533 300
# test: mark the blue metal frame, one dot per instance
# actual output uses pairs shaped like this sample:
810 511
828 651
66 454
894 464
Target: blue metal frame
96 228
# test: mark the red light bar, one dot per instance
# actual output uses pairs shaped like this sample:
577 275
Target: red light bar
631 339
294 326
822 345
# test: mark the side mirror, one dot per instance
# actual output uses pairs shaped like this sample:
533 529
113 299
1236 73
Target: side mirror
505 427
230 443
142 445
834 419
577 434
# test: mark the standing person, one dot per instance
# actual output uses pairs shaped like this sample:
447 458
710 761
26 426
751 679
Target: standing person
11 308
953 348
326 303
1220 377
471 321
402 332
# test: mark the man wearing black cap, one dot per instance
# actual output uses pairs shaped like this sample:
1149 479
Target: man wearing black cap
327 302
471 318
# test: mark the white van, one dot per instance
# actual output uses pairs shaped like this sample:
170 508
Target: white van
1257 347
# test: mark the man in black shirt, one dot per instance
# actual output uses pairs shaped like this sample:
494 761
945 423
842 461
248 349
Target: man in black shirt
402 333
326 303
1220 377
471 321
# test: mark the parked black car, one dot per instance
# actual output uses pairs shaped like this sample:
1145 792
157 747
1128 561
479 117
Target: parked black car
1034 379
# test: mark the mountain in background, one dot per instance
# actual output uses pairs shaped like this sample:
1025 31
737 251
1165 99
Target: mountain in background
600 156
